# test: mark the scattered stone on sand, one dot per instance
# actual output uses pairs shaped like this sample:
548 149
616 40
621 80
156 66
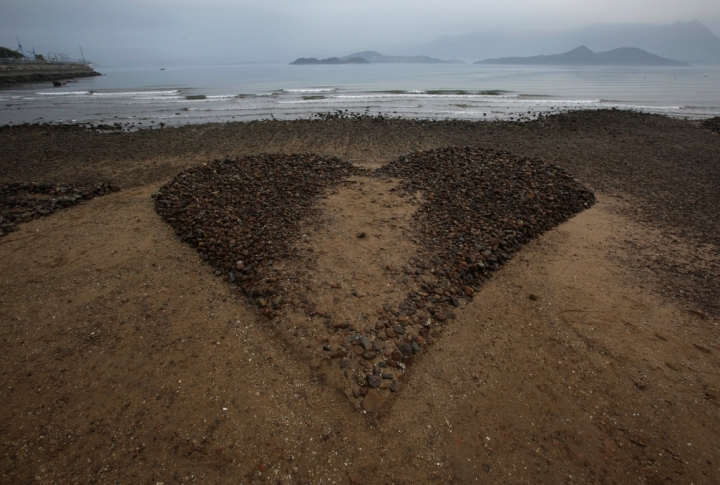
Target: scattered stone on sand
23 202
372 401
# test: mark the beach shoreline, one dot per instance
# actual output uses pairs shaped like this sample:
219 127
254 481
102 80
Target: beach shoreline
590 353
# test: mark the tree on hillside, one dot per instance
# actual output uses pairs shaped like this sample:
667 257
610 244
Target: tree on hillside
6 53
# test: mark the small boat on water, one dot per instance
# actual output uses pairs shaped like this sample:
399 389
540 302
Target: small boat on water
57 84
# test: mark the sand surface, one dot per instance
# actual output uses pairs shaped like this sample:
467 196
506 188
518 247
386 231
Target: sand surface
126 360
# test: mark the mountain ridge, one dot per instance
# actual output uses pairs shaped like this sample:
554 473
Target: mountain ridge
373 57
583 56
303 61
689 41
377 58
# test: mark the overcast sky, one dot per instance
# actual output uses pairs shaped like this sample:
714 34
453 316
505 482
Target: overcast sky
120 31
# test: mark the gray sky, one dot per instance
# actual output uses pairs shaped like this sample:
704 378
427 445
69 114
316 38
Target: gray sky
120 31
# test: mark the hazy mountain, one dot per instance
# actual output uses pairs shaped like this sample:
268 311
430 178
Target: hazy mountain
376 58
686 41
330 60
582 56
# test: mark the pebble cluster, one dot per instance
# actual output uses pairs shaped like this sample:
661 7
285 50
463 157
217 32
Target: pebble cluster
243 214
23 202
712 124
479 206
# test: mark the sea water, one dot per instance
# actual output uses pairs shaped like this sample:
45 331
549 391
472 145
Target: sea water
195 94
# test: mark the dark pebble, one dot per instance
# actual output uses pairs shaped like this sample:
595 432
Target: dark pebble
369 355
365 343
374 381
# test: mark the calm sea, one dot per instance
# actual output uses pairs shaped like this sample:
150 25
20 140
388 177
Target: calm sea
434 91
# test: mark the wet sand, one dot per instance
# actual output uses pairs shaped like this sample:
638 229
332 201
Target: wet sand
127 360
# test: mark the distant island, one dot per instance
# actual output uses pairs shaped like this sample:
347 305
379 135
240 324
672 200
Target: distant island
582 56
372 57
330 60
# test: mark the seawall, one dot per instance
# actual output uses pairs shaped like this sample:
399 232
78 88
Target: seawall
17 73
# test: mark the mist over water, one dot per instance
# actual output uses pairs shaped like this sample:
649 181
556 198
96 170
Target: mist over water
260 91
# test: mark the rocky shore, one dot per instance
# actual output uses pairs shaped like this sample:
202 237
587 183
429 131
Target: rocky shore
610 150
362 299
25 202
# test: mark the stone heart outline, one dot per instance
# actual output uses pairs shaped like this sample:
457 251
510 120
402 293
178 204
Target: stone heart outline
478 206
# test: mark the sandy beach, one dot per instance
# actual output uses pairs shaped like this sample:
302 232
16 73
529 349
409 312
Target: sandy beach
591 356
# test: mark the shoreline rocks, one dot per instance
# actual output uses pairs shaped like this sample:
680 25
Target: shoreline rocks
23 202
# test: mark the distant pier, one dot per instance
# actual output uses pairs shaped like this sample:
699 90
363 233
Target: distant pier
17 72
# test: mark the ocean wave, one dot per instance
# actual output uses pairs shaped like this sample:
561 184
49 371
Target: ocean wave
309 90
643 107
406 95
475 101
65 93
139 94
118 94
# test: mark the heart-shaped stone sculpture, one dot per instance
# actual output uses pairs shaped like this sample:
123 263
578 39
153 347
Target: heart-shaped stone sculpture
359 270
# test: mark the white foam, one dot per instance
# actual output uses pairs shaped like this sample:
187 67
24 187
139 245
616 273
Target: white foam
122 94
310 90
426 96
138 94
65 93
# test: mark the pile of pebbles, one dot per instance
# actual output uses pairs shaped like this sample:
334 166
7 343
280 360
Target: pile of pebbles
480 207
712 124
23 202
242 215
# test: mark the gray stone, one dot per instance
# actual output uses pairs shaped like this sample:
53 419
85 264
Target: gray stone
369 355
374 381
365 343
